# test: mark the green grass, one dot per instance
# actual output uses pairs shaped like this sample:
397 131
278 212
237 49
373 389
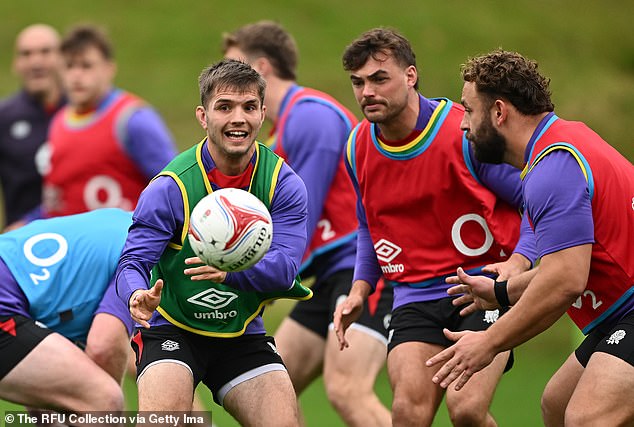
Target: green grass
586 47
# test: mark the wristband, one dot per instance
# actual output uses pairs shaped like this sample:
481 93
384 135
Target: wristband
501 293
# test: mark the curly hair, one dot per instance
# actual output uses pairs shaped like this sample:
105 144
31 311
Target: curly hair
508 75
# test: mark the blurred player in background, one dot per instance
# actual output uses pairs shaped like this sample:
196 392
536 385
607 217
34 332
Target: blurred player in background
579 195
210 329
106 144
25 117
310 129
410 164
57 294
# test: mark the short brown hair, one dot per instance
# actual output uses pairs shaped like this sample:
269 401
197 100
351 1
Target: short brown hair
508 75
267 39
81 37
378 41
229 73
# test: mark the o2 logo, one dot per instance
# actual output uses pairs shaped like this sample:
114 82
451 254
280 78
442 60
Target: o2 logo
457 238
633 203
49 260
102 185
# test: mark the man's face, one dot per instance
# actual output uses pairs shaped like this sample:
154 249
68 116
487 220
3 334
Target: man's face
232 119
38 61
381 88
88 77
488 144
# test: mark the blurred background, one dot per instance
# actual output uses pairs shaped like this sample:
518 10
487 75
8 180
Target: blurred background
586 47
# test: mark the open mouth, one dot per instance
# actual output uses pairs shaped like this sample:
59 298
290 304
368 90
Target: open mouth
236 134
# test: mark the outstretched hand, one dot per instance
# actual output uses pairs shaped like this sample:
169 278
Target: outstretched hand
143 302
476 291
346 313
470 354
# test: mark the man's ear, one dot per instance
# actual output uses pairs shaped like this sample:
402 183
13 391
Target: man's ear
201 116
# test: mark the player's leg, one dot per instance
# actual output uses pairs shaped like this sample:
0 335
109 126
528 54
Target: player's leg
558 391
302 351
166 369
279 409
415 397
603 395
250 381
349 375
301 337
349 378
470 405
52 372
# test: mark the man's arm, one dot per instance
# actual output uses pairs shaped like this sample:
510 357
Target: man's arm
148 141
561 278
313 141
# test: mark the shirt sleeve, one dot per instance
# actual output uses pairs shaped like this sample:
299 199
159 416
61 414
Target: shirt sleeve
158 215
148 141
366 265
314 138
277 270
558 203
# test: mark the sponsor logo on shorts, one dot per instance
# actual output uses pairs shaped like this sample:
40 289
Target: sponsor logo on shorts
386 320
616 337
170 345
390 334
491 316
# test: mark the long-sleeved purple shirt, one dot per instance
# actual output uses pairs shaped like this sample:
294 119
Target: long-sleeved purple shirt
503 180
314 141
158 219
146 139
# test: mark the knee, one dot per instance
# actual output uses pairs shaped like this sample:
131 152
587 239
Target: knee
552 406
466 411
341 392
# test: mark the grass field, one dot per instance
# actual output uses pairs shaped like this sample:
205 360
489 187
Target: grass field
586 47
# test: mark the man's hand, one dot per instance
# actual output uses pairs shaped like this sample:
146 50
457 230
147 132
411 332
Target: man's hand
471 353
143 302
204 271
477 291
349 310
516 264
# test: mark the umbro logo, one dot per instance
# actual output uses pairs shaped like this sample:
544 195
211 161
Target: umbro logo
616 337
170 345
386 251
212 298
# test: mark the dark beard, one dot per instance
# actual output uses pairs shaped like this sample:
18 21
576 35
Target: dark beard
488 145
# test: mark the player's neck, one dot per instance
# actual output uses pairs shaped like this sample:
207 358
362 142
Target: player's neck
276 90
402 125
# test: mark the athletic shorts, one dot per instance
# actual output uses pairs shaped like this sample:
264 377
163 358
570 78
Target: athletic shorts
220 363
610 339
424 322
317 313
18 336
